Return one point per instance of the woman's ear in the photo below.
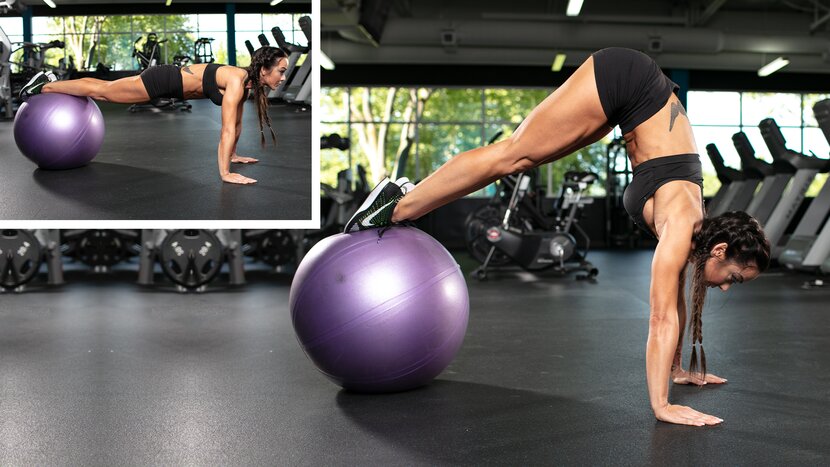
(719, 251)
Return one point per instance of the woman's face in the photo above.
(721, 272)
(272, 77)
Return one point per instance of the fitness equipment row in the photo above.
(296, 89)
(773, 194)
(33, 62)
(189, 259)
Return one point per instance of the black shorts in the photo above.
(631, 86)
(654, 173)
(163, 81)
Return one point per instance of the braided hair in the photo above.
(265, 57)
(746, 245)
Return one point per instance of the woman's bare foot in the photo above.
(238, 179)
(243, 160)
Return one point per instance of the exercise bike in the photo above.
(516, 230)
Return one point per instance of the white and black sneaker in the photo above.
(35, 85)
(405, 184)
(376, 211)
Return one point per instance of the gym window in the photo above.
(441, 121)
(717, 115)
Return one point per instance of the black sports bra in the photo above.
(209, 87)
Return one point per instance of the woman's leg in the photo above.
(567, 120)
(123, 91)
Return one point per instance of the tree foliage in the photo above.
(442, 122)
(109, 40)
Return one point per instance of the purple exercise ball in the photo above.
(59, 131)
(380, 314)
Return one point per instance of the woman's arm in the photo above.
(681, 319)
(239, 110)
(231, 128)
(670, 258)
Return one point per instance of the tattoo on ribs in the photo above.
(676, 109)
(187, 70)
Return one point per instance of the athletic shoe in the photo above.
(405, 184)
(376, 210)
(35, 85)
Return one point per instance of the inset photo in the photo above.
(146, 111)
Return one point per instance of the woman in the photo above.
(618, 87)
(227, 86)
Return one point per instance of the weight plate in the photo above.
(20, 257)
(100, 248)
(191, 258)
(277, 248)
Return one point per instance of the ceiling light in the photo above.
(274, 2)
(773, 66)
(50, 3)
(558, 62)
(325, 61)
(168, 2)
(573, 7)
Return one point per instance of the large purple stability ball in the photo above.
(59, 131)
(380, 314)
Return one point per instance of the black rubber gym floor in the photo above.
(163, 166)
(552, 371)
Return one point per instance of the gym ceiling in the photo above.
(523, 37)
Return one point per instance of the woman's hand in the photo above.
(236, 158)
(237, 178)
(682, 415)
(681, 376)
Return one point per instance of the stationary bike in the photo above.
(516, 229)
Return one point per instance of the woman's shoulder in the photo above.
(233, 72)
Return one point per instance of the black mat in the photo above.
(552, 372)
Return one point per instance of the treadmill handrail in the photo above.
(777, 145)
(285, 45)
(752, 167)
(725, 174)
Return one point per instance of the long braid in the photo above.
(265, 57)
(698, 297)
(746, 244)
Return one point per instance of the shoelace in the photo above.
(405, 223)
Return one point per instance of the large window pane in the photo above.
(809, 101)
(721, 137)
(792, 137)
(753, 134)
(437, 143)
(212, 23)
(334, 104)
(248, 22)
(714, 108)
(453, 105)
(115, 51)
(47, 25)
(784, 108)
(816, 142)
(512, 105)
(12, 27)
